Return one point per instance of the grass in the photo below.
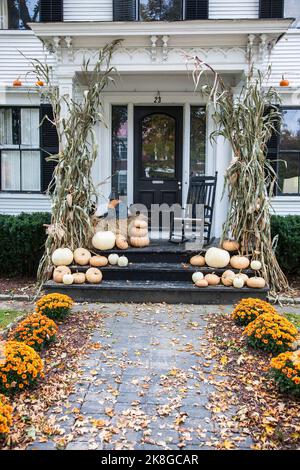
(7, 317)
(293, 318)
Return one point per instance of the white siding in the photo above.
(14, 204)
(224, 9)
(90, 10)
(12, 63)
(286, 205)
(285, 59)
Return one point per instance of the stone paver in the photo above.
(141, 389)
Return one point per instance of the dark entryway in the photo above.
(158, 155)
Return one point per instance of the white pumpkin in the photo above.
(217, 258)
(62, 257)
(256, 265)
(68, 279)
(113, 259)
(197, 277)
(238, 282)
(104, 240)
(123, 262)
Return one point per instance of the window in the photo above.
(198, 141)
(15, 14)
(20, 149)
(284, 151)
(160, 10)
(119, 149)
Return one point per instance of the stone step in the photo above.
(172, 292)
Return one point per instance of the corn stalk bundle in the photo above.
(72, 191)
(247, 121)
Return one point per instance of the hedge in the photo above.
(288, 248)
(22, 240)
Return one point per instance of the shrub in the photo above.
(21, 368)
(36, 331)
(248, 310)
(288, 248)
(5, 417)
(285, 370)
(271, 332)
(55, 306)
(22, 240)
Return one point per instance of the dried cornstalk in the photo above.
(247, 121)
(72, 191)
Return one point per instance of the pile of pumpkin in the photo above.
(137, 236)
(219, 258)
(62, 258)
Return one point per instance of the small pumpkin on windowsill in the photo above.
(17, 82)
(39, 82)
(284, 82)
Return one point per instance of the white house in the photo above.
(152, 109)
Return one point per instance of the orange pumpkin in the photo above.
(284, 82)
(17, 82)
(39, 82)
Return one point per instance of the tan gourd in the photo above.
(140, 223)
(227, 278)
(239, 262)
(94, 276)
(217, 258)
(138, 232)
(197, 261)
(212, 279)
(244, 276)
(98, 261)
(256, 282)
(82, 256)
(230, 245)
(59, 273)
(121, 242)
(201, 283)
(139, 242)
(79, 278)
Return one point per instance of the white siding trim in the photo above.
(231, 9)
(14, 204)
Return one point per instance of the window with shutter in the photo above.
(51, 10)
(124, 10)
(271, 9)
(196, 9)
(49, 145)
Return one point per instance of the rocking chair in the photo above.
(202, 191)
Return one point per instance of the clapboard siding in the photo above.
(12, 63)
(286, 205)
(224, 9)
(15, 204)
(90, 10)
(285, 59)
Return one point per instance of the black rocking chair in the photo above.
(202, 191)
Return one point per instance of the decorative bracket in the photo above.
(154, 40)
(165, 40)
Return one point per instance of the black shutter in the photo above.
(124, 10)
(271, 9)
(196, 9)
(51, 10)
(49, 145)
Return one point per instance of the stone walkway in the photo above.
(143, 385)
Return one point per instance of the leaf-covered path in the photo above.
(148, 382)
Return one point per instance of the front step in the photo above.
(171, 292)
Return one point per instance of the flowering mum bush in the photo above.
(21, 367)
(36, 331)
(249, 309)
(55, 306)
(285, 369)
(271, 332)
(5, 417)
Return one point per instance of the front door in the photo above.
(158, 155)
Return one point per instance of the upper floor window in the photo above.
(16, 14)
(160, 10)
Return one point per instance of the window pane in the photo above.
(119, 149)
(21, 12)
(10, 170)
(31, 171)
(290, 130)
(4, 14)
(160, 10)
(6, 127)
(30, 131)
(198, 140)
(158, 147)
(289, 173)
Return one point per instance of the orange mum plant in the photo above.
(248, 310)
(21, 367)
(5, 417)
(285, 369)
(36, 331)
(271, 332)
(55, 306)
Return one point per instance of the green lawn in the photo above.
(294, 318)
(7, 317)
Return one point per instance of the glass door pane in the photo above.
(119, 149)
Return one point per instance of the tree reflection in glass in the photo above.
(160, 10)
